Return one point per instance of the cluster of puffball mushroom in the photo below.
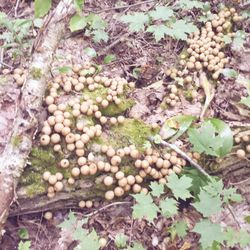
(205, 50)
(68, 131)
(19, 75)
(245, 140)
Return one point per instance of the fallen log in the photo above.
(13, 159)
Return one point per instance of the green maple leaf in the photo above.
(99, 35)
(77, 22)
(42, 7)
(214, 137)
(180, 186)
(246, 101)
(69, 222)
(209, 233)
(239, 38)
(207, 204)
(137, 246)
(244, 238)
(230, 194)
(214, 187)
(190, 4)
(89, 241)
(136, 21)
(180, 29)
(24, 245)
(169, 207)
(145, 208)
(161, 12)
(156, 189)
(230, 237)
(159, 31)
(181, 228)
(96, 22)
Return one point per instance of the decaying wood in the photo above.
(14, 157)
(234, 172)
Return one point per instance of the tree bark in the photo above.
(13, 158)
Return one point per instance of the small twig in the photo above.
(121, 7)
(239, 182)
(16, 7)
(105, 207)
(5, 64)
(184, 155)
(233, 215)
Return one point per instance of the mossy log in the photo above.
(33, 198)
(32, 189)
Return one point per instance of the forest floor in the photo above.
(137, 57)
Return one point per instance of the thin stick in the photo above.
(105, 207)
(120, 7)
(16, 7)
(184, 155)
(233, 215)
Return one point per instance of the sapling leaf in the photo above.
(230, 73)
(69, 222)
(109, 58)
(24, 245)
(145, 208)
(100, 35)
(137, 246)
(136, 21)
(209, 233)
(161, 12)
(90, 52)
(179, 186)
(214, 137)
(42, 7)
(180, 29)
(208, 205)
(156, 189)
(159, 31)
(121, 240)
(169, 207)
(245, 101)
(77, 22)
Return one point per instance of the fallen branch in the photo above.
(184, 156)
(13, 159)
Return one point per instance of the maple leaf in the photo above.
(156, 188)
(190, 4)
(231, 195)
(145, 208)
(159, 31)
(169, 207)
(96, 22)
(77, 22)
(205, 139)
(179, 186)
(207, 204)
(69, 222)
(99, 35)
(180, 29)
(181, 228)
(246, 101)
(137, 246)
(161, 12)
(209, 233)
(136, 21)
(89, 241)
